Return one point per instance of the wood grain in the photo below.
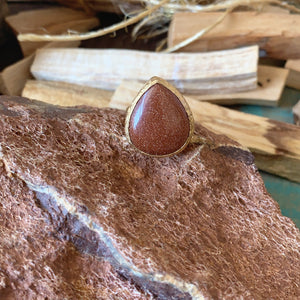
(271, 82)
(202, 73)
(293, 80)
(55, 20)
(275, 145)
(66, 94)
(278, 36)
(14, 77)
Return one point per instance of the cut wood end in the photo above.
(293, 80)
(293, 64)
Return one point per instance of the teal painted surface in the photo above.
(285, 192)
(281, 113)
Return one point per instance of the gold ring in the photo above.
(159, 122)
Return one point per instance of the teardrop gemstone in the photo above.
(159, 124)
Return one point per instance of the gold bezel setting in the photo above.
(146, 87)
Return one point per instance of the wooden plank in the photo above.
(271, 82)
(278, 36)
(66, 94)
(203, 73)
(14, 77)
(293, 80)
(275, 145)
(55, 20)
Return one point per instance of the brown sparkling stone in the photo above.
(159, 124)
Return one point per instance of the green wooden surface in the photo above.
(285, 192)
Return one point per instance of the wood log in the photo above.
(279, 37)
(56, 20)
(275, 145)
(296, 113)
(202, 73)
(14, 77)
(293, 80)
(271, 82)
(66, 94)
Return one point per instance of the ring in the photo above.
(159, 122)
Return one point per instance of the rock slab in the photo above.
(199, 225)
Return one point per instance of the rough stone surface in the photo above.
(38, 262)
(196, 225)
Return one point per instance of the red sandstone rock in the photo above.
(196, 225)
(37, 260)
